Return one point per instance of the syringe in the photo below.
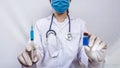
(32, 41)
(32, 34)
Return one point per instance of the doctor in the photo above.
(60, 38)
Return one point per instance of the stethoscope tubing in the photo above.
(53, 32)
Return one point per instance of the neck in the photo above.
(60, 17)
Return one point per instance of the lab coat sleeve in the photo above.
(83, 59)
(96, 65)
(38, 41)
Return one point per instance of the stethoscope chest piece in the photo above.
(69, 37)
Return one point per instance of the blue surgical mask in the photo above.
(60, 6)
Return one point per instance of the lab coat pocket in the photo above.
(53, 46)
(76, 37)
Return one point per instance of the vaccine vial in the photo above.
(85, 39)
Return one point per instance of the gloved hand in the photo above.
(29, 56)
(96, 50)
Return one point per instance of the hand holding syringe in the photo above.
(29, 56)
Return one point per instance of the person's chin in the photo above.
(60, 12)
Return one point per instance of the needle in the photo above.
(32, 40)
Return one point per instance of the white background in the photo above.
(16, 16)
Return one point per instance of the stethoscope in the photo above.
(50, 31)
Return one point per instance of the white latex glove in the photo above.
(96, 50)
(29, 56)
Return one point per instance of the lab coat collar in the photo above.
(49, 17)
(63, 24)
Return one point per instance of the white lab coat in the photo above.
(70, 54)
